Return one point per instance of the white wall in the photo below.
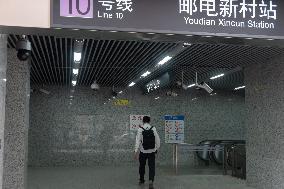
(25, 13)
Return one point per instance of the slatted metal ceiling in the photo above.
(117, 63)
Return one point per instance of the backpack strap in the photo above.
(142, 128)
(151, 128)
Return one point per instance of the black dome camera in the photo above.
(24, 49)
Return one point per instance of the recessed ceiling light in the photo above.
(80, 40)
(228, 37)
(238, 88)
(146, 74)
(170, 34)
(208, 36)
(132, 84)
(75, 71)
(71, 96)
(74, 83)
(75, 29)
(113, 31)
(270, 39)
(186, 44)
(132, 32)
(192, 85)
(165, 60)
(93, 30)
(77, 57)
(217, 76)
(120, 92)
(189, 35)
(151, 33)
(157, 98)
(58, 28)
(249, 38)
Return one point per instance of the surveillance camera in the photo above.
(180, 84)
(24, 49)
(204, 86)
(95, 86)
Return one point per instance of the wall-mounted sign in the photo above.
(216, 17)
(174, 129)
(121, 102)
(136, 121)
(157, 83)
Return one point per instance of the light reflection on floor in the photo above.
(126, 178)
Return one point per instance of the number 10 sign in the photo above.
(174, 129)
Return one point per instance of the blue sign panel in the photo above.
(174, 129)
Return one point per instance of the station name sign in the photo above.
(216, 17)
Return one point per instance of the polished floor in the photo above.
(126, 178)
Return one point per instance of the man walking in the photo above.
(146, 146)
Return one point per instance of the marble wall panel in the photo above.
(264, 124)
(87, 132)
(16, 122)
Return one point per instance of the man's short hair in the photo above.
(146, 119)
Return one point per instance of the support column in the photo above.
(264, 123)
(16, 122)
(3, 67)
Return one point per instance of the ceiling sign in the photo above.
(216, 17)
(121, 102)
(157, 83)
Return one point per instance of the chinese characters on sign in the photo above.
(115, 8)
(174, 129)
(241, 18)
(136, 121)
(154, 85)
(121, 102)
(107, 9)
(260, 13)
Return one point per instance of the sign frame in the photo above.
(167, 31)
(174, 128)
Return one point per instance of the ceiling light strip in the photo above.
(137, 59)
(155, 51)
(238, 88)
(217, 76)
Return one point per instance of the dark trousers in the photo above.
(151, 163)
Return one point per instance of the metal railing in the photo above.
(234, 156)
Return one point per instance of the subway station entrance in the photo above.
(210, 79)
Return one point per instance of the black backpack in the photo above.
(148, 139)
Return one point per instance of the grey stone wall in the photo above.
(264, 122)
(16, 122)
(89, 133)
(3, 69)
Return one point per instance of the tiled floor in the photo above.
(125, 178)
